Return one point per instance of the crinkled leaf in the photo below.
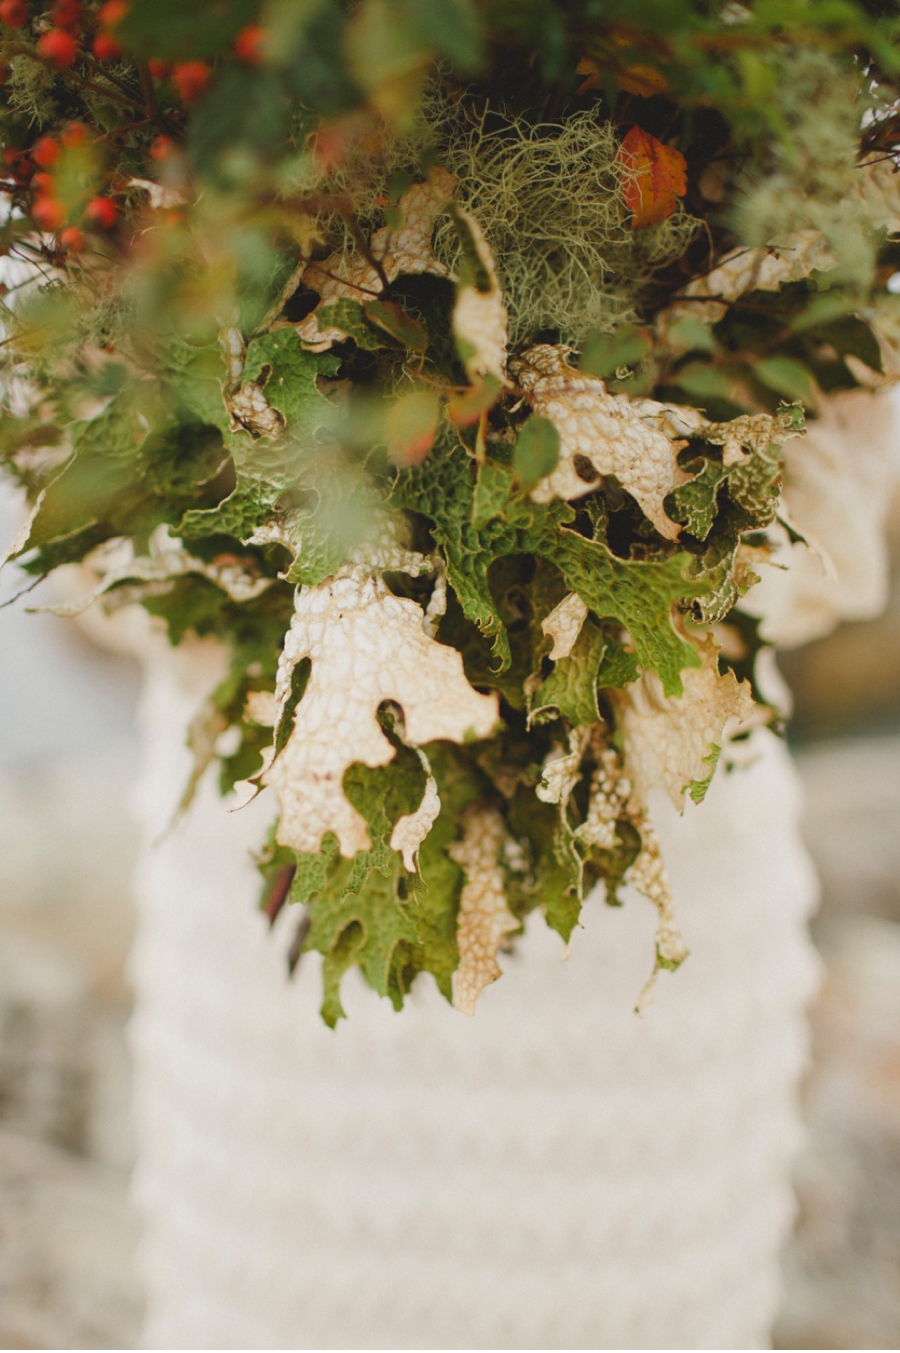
(366, 647)
(571, 688)
(600, 434)
(656, 177)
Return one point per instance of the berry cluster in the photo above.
(75, 31)
(62, 43)
(54, 209)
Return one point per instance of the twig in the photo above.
(279, 892)
(295, 953)
(149, 92)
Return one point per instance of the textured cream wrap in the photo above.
(553, 1173)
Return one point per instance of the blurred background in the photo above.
(68, 762)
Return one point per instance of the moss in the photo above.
(550, 201)
(808, 179)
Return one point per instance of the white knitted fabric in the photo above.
(556, 1172)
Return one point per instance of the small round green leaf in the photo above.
(536, 452)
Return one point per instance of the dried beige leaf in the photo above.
(746, 435)
(22, 536)
(411, 829)
(261, 707)
(563, 625)
(607, 803)
(251, 410)
(600, 434)
(204, 731)
(839, 485)
(166, 562)
(405, 249)
(160, 196)
(766, 268)
(649, 875)
(673, 741)
(479, 317)
(366, 646)
(234, 350)
(739, 437)
(437, 602)
(878, 189)
(561, 770)
(484, 917)
(610, 802)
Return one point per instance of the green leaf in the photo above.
(787, 377)
(755, 486)
(451, 28)
(640, 595)
(554, 880)
(689, 334)
(703, 382)
(288, 376)
(618, 667)
(571, 688)
(239, 515)
(699, 787)
(612, 865)
(124, 478)
(492, 490)
(369, 911)
(388, 316)
(536, 452)
(694, 504)
(348, 315)
(605, 354)
(195, 373)
(443, 489)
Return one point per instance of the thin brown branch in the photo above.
(149, 91)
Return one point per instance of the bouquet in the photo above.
(438, 361)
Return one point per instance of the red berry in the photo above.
(58, 47)
(45, 152)
(66, 13)
(72, 239)
(248, 43)
(191, 79)
(111, 13)
(73, 135)
(162, 148)
(14, 13)
(20, 165)
(159, 69)
(49, 213)
(102, 213)
(106, 48)
(44, 183)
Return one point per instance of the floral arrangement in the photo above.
(438, 360)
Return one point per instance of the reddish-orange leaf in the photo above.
(656, 176)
